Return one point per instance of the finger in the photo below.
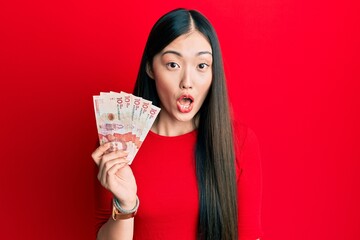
(111, 156)
(115, 168)
(111, 174)
(99, 152)
(107, 177)
(107, 165)
(108, 159)
(104, 169)
(115, 154)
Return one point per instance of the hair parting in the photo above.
(214, 152)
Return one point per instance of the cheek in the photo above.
(166, 80)
(164, 89)
(206, 78)
(206, 83)
(205, 91)
(162, 86)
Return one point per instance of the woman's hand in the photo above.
(116, 175)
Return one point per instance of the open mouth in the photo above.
(185, 103)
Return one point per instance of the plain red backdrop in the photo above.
(293, 75)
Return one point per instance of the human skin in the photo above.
(183, 75)
(181, 69)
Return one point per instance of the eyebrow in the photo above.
(179, 54)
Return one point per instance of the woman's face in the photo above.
(183, 74)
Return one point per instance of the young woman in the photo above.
(197, 175)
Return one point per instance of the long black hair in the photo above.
(214, 154)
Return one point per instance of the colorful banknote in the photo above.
(124, 120)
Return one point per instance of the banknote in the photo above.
(124, 120)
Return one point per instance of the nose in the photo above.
(186, 82)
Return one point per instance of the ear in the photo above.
(149, 71)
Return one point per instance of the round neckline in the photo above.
(193, 132)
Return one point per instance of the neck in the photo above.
(173, 128)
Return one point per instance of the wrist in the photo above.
(126, 205)
(119, 212)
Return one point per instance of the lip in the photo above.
(185, 108)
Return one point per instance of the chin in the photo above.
(184, 117)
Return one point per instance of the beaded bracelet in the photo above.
(118, 207)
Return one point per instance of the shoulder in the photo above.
(246, 145)
(244, 136)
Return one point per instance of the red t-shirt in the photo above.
(165, 174)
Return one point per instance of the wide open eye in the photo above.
(203, 66)
(172, 65)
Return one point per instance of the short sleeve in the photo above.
(249, 184)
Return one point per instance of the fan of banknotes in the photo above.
(124, 120)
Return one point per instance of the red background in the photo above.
(293, 74)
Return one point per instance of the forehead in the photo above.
(193, 41)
